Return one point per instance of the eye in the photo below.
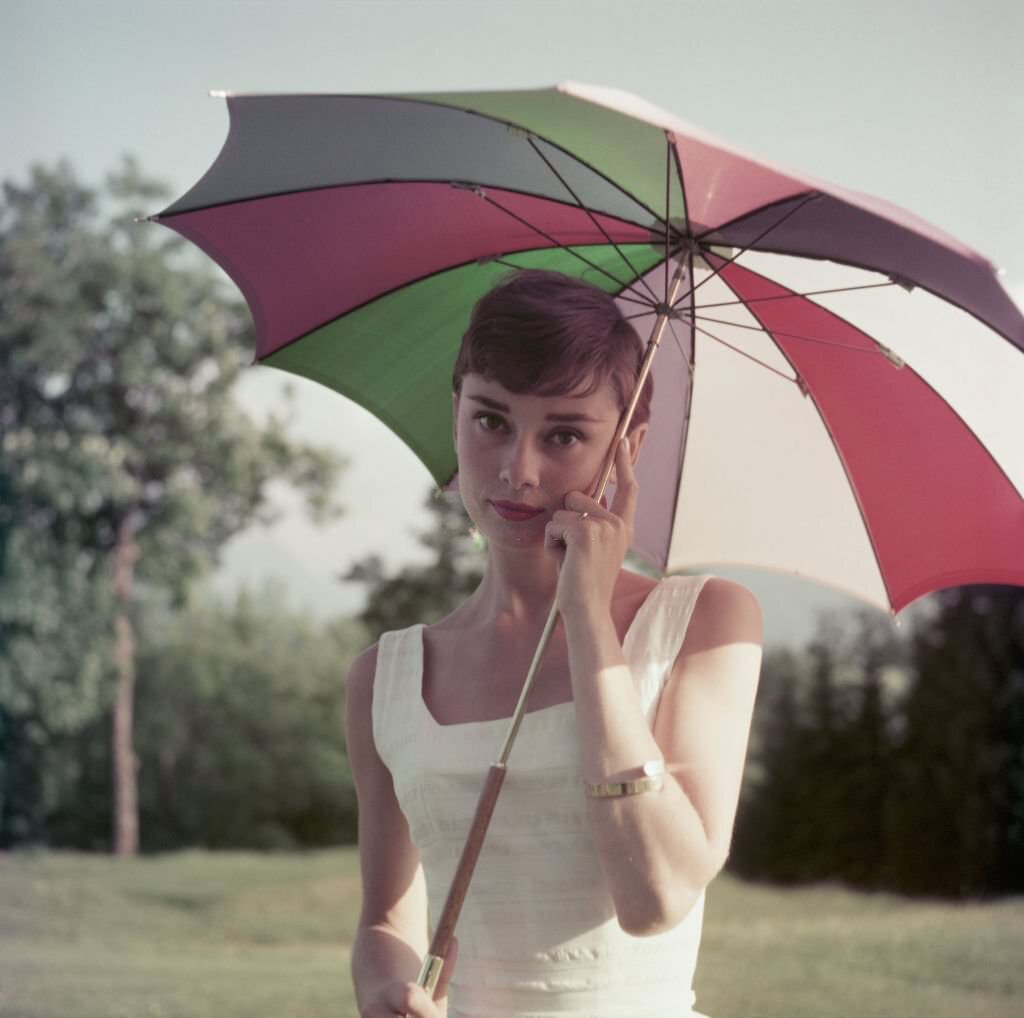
(565, 437)
(489, 421)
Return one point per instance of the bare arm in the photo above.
(391, 937)
(658, 849)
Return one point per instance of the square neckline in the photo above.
(551, 708)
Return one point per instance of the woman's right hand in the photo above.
(410, 1000)
(405, 1000)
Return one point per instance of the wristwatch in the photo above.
(652, 781)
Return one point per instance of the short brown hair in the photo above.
(550, 334)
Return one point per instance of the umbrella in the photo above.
(837, 386)
(839, 395)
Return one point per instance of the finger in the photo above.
(554, 533)
(410, 1000)
(582, 513)
(565, 528)
(561, 523)
(626, 487)
(577, 502)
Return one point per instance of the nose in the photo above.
(521, 468)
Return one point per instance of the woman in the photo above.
(622, 787)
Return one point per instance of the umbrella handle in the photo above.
(441, 942)
(433, 962)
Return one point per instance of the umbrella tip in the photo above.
(219, 93)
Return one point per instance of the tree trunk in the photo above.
(126, 803)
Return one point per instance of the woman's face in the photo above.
(519, 454)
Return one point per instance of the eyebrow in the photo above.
(493, 404)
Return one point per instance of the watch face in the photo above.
(653, 768)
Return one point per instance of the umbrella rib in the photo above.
(679, 345)
(878, 349)
(590, 215)
(163, 218)
(536, 229)
(646, 313)
(500, 260)
(743, 353)
(691, 366)
(668, 205)
(674, 153)
(743, 250)
(672, 329)
(789, 296)
(648, 307)
(514, 125)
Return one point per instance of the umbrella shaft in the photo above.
(442, 940)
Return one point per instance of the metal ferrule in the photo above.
(430, 973)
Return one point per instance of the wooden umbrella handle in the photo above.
(441, 942)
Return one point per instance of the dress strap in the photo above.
(396, 685)
(656, 636)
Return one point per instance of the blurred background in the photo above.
(192, 550)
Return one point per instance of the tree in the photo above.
(892, 762)
(816, 798)
(422, 593)
(124, 456)
(770, 840)
(240, 721)
(54, 676)
(960, 782)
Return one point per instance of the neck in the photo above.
(518, 587)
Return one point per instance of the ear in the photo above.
(455, 419)
(636, 438)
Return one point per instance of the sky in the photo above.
(920, 102)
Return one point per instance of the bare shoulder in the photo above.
(717, 666)
(726, 613)
(359, 682)
(367, 768)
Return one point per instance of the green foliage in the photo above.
(960, 782)
(423, 593)
(894, 763)
(240, 728)
(117, 361)
(116, 368)
(814, 795)
(238, 733)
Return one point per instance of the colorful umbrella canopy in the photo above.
(838, 394)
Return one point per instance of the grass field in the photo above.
(200, 935)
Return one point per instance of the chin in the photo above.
(498, 531)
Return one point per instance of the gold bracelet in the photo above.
(652, 781)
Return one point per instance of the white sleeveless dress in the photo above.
(538, 937)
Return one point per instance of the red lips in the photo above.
(516, 512)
